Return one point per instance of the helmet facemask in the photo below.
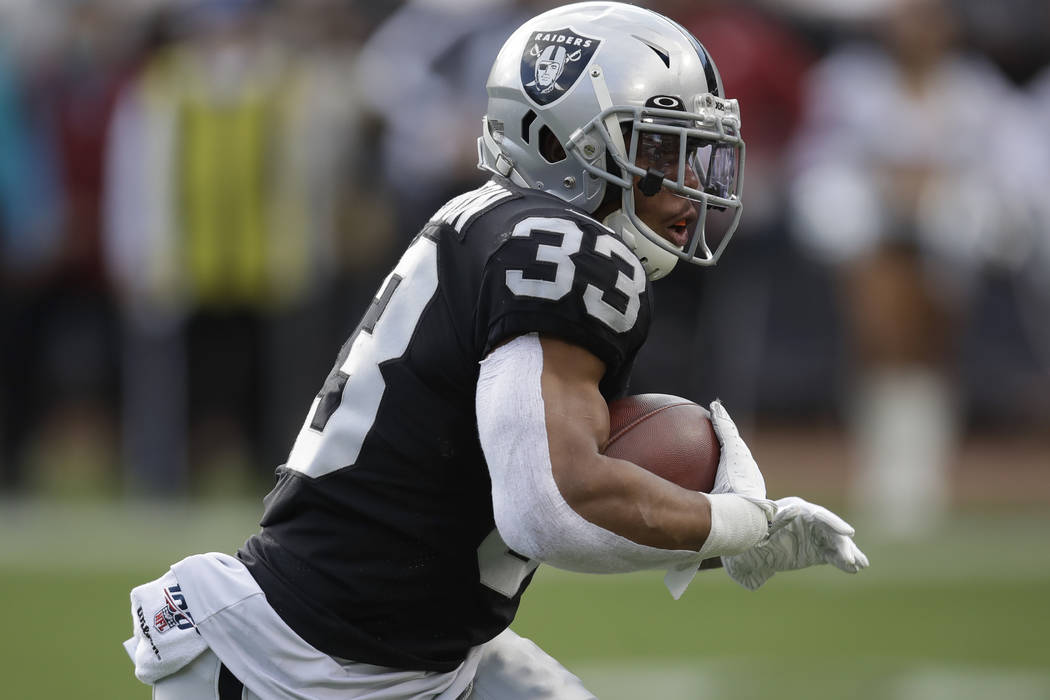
(697, 155)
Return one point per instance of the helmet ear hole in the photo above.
(550, 147)
(526, 124)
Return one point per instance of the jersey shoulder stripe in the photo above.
(460, 211)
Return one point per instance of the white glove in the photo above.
(803, 534)
(740, 512)
(737, 470)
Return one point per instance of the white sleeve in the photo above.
(531, 515)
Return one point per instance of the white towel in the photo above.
(166, 637)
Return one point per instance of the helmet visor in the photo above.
(691, 162)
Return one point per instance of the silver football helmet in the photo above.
(624, 95)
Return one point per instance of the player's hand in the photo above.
(741, 515)
(738, 472)
(803, 534)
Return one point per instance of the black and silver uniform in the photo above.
(377, 537)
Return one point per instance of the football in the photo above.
(669, 436)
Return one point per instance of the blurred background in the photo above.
(198, 199)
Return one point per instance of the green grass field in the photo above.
(959, 615)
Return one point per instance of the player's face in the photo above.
(670, 215)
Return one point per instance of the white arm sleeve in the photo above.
(531, 515)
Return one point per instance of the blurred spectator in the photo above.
(219, 223)
(332, 160)
(423, 74)
(62, 388)
(906, 184)
(1033, 278)
(29, 237)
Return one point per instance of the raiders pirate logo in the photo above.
(553, 61)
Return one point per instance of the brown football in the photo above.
(670, 436)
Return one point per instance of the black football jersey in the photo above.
(378, 542)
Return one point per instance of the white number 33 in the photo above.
(593, 298)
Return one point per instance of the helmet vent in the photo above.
(664, 55)
(550, 147)
(526, 122)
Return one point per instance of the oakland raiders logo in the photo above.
(553, 61)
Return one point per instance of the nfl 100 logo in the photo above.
(553, 61)
(175, 613)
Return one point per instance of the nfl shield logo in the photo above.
(553, 61)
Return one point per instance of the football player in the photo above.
(455, 444)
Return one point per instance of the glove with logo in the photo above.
(803, 534)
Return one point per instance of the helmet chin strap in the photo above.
(656, 261)
(492, 158)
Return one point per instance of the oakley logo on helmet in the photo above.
(553, 61)
(665, 102)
